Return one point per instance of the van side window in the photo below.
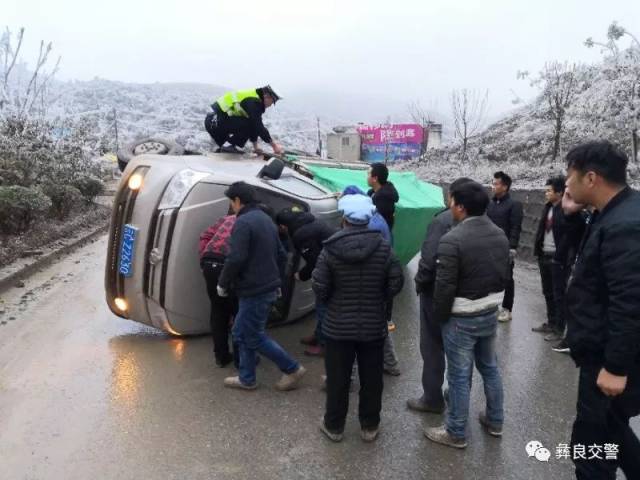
(299, 187)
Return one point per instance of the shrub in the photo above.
(20, 207)
(63, 199)
(90, 187)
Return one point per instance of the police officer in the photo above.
(237, 117)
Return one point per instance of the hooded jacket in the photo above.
(356, 274)
(385, 201)
(307, 234)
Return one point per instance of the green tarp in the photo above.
(419, 202)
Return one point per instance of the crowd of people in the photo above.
(588, 249)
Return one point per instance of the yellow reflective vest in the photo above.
(229, 103)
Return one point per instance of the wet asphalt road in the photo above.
(84, 394)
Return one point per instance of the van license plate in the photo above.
(127, 250)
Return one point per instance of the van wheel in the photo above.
(156, 146)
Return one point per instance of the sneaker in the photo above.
(369, 435)
(290, 381)
(309, 340)
(393, 371)
(562, 347)
(234, 382)
(441, 436)
(314, 351)
(493, 430)
(333, 436)
(553, 337)
(418, 405)
(504, 315)
(544, 328)
(391, 326)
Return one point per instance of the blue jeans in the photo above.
(321, 313)
(466, 339)
(250, 336)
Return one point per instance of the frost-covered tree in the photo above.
(469, 109)
(622, 70)
(559, 83)
(18, 99)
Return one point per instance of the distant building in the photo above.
(434, 136)
(344, 144)
(382, 143)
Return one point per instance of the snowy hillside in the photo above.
(174, 111)
(606, 106)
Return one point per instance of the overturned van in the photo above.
(162, 204)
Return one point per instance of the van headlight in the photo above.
(179, 187)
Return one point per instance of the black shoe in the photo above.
(544, 328)
(562, 347)
(224, 360)
(418, 405)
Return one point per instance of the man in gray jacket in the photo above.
(431, 348)
(472, 269)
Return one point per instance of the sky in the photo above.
(349, 58)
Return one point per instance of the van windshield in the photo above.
(299, 187)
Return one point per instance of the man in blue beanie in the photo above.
(356, 274)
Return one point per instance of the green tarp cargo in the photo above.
(419, 202)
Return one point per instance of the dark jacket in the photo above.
(473, 260)
(567, 233)
(307, 234)
(257, 259)
(356, 274)
(426, 275)
(507, 214)
(385, 201)
(255, 109)
(603, 297)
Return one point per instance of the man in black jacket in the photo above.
(507, 214)
(544, 247)
(382, 192)
(472, 268)
(254, 269)
(555, 244)
(237, 117)
(603, 300)
(307, 235)
(431, 348)
(356, 274)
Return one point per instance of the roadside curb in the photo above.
(25, 272)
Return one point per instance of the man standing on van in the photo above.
(237, 117)
(254, 269)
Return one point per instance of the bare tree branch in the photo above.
(469, 108)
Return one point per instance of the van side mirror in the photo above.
(272, 170)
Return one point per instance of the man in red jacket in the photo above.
(213, 249)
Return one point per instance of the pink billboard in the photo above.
(384, 134)
(391, 143)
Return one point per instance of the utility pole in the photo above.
(115, 126)
(319, 152)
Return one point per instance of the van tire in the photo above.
(153, 145)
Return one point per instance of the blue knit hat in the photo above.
(352, 190)
(356, 209)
